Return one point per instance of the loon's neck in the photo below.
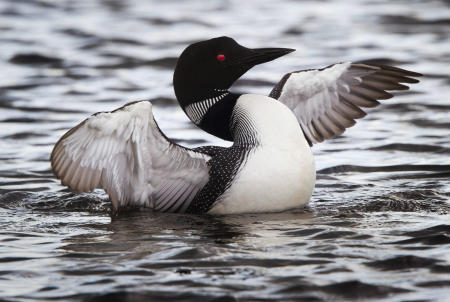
(209, 108)
(218, 116)
(198, 105)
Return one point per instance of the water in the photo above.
(377, 226)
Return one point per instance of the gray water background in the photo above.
(378, 223)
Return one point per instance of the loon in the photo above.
(268, 168)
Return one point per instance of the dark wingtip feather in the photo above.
(404, 72)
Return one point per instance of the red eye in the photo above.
(221, 58)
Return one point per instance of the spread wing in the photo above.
(327, 101)
(125, 153)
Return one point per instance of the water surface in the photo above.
(378, 223)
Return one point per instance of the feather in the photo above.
(327, 101)
(125, 153)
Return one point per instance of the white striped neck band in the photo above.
(196, 111)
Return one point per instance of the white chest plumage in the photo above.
(279, 173)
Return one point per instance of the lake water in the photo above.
(377, 227)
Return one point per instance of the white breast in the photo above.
(279, 174)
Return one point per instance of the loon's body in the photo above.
(277, 171)
(268, 168)
(261, 166)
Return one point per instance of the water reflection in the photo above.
(378, 224)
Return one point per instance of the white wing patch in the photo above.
(125, 153)
(327, 101)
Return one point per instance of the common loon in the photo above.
(269, 167)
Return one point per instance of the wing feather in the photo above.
(327, 101)
(125, 153)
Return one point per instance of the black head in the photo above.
(216, 64)
(206, 69)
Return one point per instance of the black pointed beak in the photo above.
(257, 56)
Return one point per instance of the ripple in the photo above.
(429, 240)
(333, 235)
(131, 62)
(434, 230)
(35, 59)
(14, 259)
(395, 168)
(358, 290)
(437, 283)
(413, 148)
(402, 262)
(54, 202)
(157, 296)
(305, 232)
(377, 225)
